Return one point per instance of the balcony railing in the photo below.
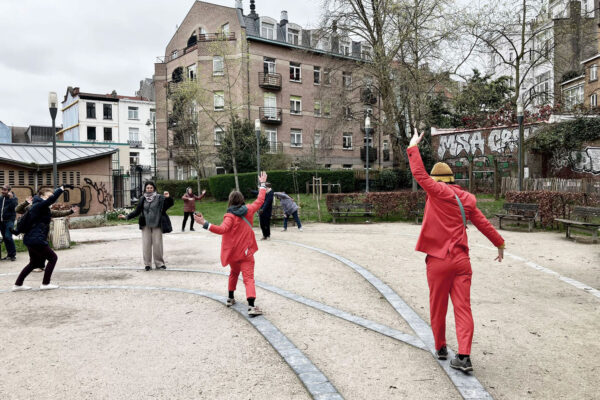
(136, 144)
(372, 154)
(270, 115)
(269, 81)
(368, 96)
(275, 147)
(212, 37)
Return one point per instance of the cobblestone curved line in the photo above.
(467, 385)
(317, 384)
(365, 323)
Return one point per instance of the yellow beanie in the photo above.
(441, 172)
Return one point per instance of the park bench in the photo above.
(585, 219)
(345, 210)
(418, 212)
(277, 214)
(519, 212)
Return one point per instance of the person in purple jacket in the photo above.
(290, 208)
(189, 206)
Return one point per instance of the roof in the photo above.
(574, 80)
(41, 155)
(74, 91)
(138, 98)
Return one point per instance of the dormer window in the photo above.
(268, 30)
(345, 48)
(293, 36)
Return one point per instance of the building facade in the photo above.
(305, 86)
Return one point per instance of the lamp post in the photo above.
(520, 121)
(367, 129)
(257, 129)
(52, 106)
(154, 138)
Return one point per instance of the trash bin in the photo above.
(59, 234)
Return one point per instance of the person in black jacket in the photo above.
(265, 213)
(154, 221)
(36, 239)
(8, 203)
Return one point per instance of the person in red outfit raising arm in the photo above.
(444, 239)
(238, 244)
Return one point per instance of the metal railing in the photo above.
(275, 147)
(270, 115)
(134, 143)
(269, 81)
(211, 37)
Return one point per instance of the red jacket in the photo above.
(189, 202)
(238, 238)
(443, 227)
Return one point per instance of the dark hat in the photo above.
(150, 183)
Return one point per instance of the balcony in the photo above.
(270, 115)
(134, 144)
(368, 96)
(269, 81)
(275, 147)
(213, 37)
(372, 154)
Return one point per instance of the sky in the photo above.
(99, 46)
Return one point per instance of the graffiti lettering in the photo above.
(468, 143)
(587, 160)
(103, 195)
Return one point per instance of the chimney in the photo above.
(253, 13)
(284, 18)
(239, 5)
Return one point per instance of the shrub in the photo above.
(385, 204)
(554, 205)
(388, 179)
(177, 188)
(281, 181)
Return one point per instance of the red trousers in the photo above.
(246, 266)
(451, 276)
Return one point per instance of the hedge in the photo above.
(281, 181)
(385, 204)
(554, 205)
(177, 188)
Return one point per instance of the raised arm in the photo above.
(21, 208)
(52, 199)
(259, 200)
(433, 188)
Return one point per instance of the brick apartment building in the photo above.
(305, 85)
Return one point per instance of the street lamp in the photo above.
(367, 129)
(154, 138)
(520, 121)
(53, 106)
(257, 129)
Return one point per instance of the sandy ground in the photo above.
(535, 335)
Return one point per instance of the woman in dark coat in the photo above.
(189, 206)
(154, 221)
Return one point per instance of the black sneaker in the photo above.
(442, 354)
(148, 268)
(192, 230)
(464, 365)
(162, 267)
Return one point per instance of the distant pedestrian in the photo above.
(8, 204)
(189, 206)
(265, 212)
(238, 243)
(290, 208)
(37, 221)
(154, 221)
(444, 239)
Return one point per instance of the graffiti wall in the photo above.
(586, 161)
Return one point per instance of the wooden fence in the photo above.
(589, 186)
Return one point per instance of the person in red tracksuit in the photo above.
(444, 239)
(239, 243)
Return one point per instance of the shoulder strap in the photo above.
(248, 222)
(462, 210)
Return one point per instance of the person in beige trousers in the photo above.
(154, 221)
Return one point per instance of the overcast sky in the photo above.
(99, 46)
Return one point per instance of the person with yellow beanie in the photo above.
(444, 239)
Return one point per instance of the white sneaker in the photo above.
(49, 286)
(38, 270)
(21, 288)
(300, 229)
(283, 230)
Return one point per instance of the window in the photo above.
(218, 65)
(133, 113)
(346, 166)
(193, 172)
(225, 29)
(90, 110)
(317, 75)
(347, 141)
(108, 134)
(542, 88)
(107, 111)
(270, 106)
(219, 99)
(180, 173)
(345, 48)
(295, 105)
(347, 80)
(593, 72)
(152, 158)
(347, 112)
(134, 134)
(220, 170)
(317, 108)
(370, 140)
(272, 139)
(269, 65)
(293, 36)
(295, 72)
(191, 72)
(327, 76)
(317, 138)
(327, 109)
(594, 100)
(219, 135)
(573, 96)
(296, 138)
(134, 158)
(91, 133)
(267, 30)
(174, 54)
(366, 52)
